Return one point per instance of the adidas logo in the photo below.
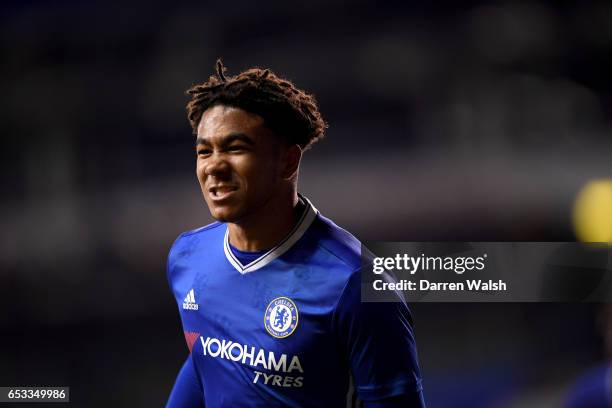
(189, 302)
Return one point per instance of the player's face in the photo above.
(237, 163)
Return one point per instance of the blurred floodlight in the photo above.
(593, 212)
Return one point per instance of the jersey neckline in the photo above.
(306, 219)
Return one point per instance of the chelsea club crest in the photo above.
(281, 318)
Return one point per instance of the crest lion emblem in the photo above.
(281, 317)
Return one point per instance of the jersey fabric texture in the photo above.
(288, 327)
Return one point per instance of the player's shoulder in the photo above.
(195, 237)
(338, 242)
(189, 245)
(202, 230)
(206, 230)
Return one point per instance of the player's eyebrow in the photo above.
(228, 139)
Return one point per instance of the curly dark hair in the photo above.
(288, 111)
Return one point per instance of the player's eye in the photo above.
(204, 152)
(236, 148)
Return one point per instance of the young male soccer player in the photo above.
(269, 295)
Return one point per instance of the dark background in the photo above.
(459, 121)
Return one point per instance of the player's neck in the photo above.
(267, 227)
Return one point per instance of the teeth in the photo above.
(221, 190)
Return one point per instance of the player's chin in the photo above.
(224, 213)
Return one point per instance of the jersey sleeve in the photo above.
(378, 340)
(170, 261)
(187, 390)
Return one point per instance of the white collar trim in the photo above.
(283, 246)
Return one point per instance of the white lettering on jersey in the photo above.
(278, 380)
(230, 350)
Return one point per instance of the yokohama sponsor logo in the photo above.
(250, 355)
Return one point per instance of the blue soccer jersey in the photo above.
(288, 327)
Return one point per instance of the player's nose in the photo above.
(216, 164)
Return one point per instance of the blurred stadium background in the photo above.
(448, 121)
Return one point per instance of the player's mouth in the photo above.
(221, 192)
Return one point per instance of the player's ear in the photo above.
(291, 162)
